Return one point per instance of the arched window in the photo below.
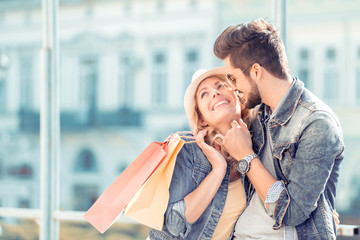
(86, 162)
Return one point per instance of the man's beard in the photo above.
(254, 97)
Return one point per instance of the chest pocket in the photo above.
(286, 155)
(202, 168)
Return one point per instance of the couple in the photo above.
(271, 175)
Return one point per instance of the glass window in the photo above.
(86, 162)
(3, 95)
(4, 68)
(192, 62)
(357, 77)
(126, 80)
(331, 54)
(26, 65)
(84, 196)
(304, 76)
(160, 5)
(331, 77)
(357, 88)
(193, 4)
(304, 67)
(159, 78)
(88, 89)
(304, 54)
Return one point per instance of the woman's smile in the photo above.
(220, 104)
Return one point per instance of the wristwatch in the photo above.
(244, 164)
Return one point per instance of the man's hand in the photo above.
(238, 140)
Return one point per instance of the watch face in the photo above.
(243, 166)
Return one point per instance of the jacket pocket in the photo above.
(285, 156)
(202, 168)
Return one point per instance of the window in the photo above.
(159, 77)
(2, 95)
(4, 65)
(160, 5)
(123, 165)
(88, 86)
(193, 4)
(331, 54)
(126, 80)
(191, 65)
(23, 203)
(84, 196)
(357, 86)
(23, 171)
(304, 67)
(127, 7)
(331, 76)
(26, 65)
(86, 162)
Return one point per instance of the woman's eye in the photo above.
(220, 86)
(203, 94)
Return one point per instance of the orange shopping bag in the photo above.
(112, 202)
(150, 202)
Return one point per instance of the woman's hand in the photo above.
(214, 155)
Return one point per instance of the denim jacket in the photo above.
(191, 168)
(308, 149)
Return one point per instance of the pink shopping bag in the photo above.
(150, 202)
(112, 202)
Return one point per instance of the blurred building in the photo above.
(124, 68)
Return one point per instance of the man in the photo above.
(297, 146)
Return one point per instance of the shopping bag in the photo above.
(150, 202)
(112, 202)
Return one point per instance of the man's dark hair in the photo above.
(253, 42)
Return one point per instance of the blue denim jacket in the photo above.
(308, 150)
(191, 168)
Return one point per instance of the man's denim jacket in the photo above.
(307, 151)
(191, 168)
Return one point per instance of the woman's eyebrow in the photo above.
(217, 83)
(199, 91)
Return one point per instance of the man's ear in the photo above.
(256, 71)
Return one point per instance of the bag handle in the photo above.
(166, 142)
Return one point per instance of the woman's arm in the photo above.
(197, 201)
(192, 189)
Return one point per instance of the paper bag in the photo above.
(150, 202)
(112, 202)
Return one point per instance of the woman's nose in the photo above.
(215, 92)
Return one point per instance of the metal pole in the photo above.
(280, 18)
(49, 122)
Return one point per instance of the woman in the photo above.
(206, 193)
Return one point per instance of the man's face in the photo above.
(244, 84)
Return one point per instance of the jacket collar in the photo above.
(287, 108)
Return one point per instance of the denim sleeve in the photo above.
(315, 165)
(176, 222)
(181, 185)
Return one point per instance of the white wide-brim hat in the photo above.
(189, 98)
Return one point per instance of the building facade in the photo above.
(124, 68)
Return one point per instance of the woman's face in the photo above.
(217, 104)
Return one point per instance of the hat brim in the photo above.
(189, 98)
